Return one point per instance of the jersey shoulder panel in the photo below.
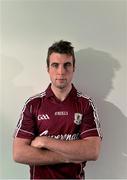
(35, 101)
(26, 127)
(81, 95)
(85, 99)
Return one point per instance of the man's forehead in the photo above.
(60, 58)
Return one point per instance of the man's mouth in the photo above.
(61, 79)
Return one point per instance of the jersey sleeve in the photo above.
(26, 124)
(90, 125)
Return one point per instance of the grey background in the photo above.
(98, 31)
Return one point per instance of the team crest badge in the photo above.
(78, 118)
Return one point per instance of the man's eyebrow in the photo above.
(68, 62)
(60, 63)
(55, 63)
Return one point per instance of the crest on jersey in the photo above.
(78, 118)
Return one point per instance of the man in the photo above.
(58, 130)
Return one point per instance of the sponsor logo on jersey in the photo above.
(44, 133)
(42, 117)
(67, 137)
(61, 113)
(77, 118)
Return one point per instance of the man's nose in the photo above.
(61, 70)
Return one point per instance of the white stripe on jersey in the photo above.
(79, 94)
(26, 131)
(22, 112)
(96, 118)
(88, 130)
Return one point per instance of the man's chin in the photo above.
(61, 86)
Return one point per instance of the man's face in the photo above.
(60, 69)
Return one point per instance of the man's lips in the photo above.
(60, 79)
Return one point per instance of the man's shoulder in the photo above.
(35, 99)
(82, 96)
(79, 94)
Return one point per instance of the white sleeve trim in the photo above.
(88, 130)
(26, 131)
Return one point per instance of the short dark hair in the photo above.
(62, 47)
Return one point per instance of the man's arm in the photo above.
(24, 153)
(77, 150)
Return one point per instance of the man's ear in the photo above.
(74, 69)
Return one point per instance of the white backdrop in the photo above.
(98, 31)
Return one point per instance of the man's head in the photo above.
(61, 64)
(61, 47)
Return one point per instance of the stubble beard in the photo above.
(61, 85)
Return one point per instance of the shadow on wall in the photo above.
(11, 99)
(95, 71)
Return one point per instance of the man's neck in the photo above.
(61, 94)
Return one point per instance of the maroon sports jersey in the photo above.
(72, 119)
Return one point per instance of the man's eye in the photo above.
(66, 65)
(55, 65)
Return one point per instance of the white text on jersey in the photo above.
(61, 113)
(42, 117)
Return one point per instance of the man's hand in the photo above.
(39, 142)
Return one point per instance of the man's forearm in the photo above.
(27, 154)
(77, 150)
(74, 150)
